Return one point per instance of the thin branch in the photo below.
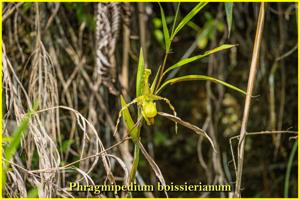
(85, 158)
(287, 53)
(11, 11)
(257, 133)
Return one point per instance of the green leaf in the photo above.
(175, 18)
(194, 58)
(153, 85)
(188, 17)
(14, 144)
(140, 75)
(6, 139)
(202, 42)
(194, 26)
(160, 138)
(156, 22)
(33, 193)
(289, 169)
(27, 6)
(11, 149)
(135, 163)
(165, 28)
(66, 144)
(16, 138)
(159, 36)
(199, 78)
(228, 10)
(130, 125)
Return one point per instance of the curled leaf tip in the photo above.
(190, 126)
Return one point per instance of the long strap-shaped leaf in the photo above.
(130, 125)
(188, 17)
(228, 10)
(135, 164)
(153, 166)
(194, 58)
(11, 149)
(165, 28)
(134, 132)
(199, 78)
(16, 137)
(188, 125)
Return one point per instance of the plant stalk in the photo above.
(289, 169)
(135, 164)
(251, 80)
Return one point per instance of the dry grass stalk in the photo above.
(251, 81)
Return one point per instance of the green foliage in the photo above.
(207, 33)
(160, 138)
(15, 140)
(228, 10)
(165, 29)
(26, 6)
(175, 18)
(194, 58)
(12, 147)
(188, 17)
(140, 74)
(199, 78)
(209, 30)
(145, 98)
(158, 30)
(289, 169)
(33, 193)
(66, 145)
(82, 14)
(159, 36)
(130, 125)
(156, 22)
(194, 26)
(135, 164)
(168, 38)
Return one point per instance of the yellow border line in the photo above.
(144, 1)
